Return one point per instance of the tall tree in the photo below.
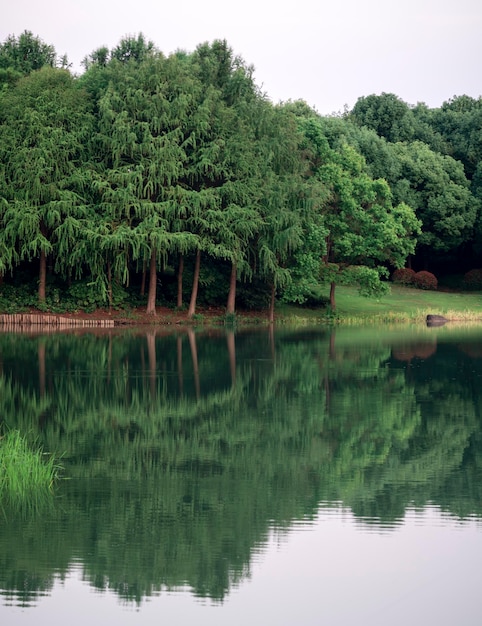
(26, 53)
(365, 230)
(286, 202)
(45, 127)
(459, 122)
(232, 223)
(386, 114)
(432, 183)
(438, 190)
(143, 123)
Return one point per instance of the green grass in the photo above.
(24, 472)
(403, 304)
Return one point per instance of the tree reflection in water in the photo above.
(179, 464)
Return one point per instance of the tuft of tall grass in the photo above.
(409, 317)
(23, 471)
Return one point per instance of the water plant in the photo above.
(24, 471)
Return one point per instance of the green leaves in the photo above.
(146, 157)
(45, 121)
(435, 185)
(26, 53)
(363, 228)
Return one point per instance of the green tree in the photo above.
(290, 204)
(394, 120)
(438, 190)
(459, 122)
(26, 53)
(144, 126)
(423, 175)
(45, 128)
(131, 49)
(365, 230)
(386, 114)
(230, 160)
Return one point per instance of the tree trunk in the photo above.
(109, 284)
(42, 279)
(151, 352)
(195, 285)
(332, 296)
(271, 304)
(41, 368)
(195, 362)
(231, 305)
(151, 296)
(180, 376)
(231, 342)
(180, 271)
(332, 348)
(143, 281)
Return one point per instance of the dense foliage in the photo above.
(168, 179)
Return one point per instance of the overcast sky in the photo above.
(326, 53)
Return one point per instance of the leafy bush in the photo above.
(316, 300)
(403, 276)
(304, 292)
(89, 295)
(368, 279)
(425, 280)
(253, 295)
(473, 279)
(17, 298)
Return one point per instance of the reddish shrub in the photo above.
(425, 280)
(473, 279)
(403, 276)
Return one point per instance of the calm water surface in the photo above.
(296, 477)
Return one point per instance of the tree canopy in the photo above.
(157, 166)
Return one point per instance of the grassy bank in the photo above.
(403, 304)
(23, 471)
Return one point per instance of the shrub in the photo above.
(89, 295)
(473, 279)
(253, 296)
(305, 293)
(403, 276)
(425, 280)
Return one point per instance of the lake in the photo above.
(278, 477)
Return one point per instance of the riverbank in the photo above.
(109, 318)
(402, 305)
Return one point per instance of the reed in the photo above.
(24, 471)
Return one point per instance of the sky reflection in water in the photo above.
(335, 570)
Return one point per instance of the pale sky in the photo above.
(326, 53)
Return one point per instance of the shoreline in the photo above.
(105, 318)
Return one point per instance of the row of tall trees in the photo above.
(149, 164)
